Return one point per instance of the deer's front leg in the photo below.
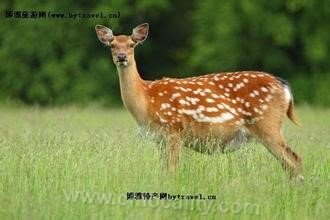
(173, 148)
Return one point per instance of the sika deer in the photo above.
(220, 106)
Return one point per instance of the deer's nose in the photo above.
(121, 57)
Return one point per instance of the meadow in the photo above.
(82, 163)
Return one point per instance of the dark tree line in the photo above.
(60, 61)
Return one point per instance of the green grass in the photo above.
(49, 156)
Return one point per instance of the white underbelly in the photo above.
(147, 133)
(204, 145)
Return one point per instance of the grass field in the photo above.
(73, 163)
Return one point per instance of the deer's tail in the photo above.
(289, 97)
(291, 113)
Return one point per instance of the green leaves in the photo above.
(59, 61)
(287, 38)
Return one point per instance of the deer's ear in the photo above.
(140, 33)
(104, 34)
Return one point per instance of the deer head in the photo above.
(122, 46)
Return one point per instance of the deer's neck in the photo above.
(133, 92)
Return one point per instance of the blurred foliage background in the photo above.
(60, 61)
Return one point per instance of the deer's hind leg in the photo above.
(269, 133)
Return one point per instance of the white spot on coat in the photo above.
(212, 109)
(264, 89)
(175, 95)
(220, 119)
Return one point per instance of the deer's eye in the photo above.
(112, 45)
(131, 45)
